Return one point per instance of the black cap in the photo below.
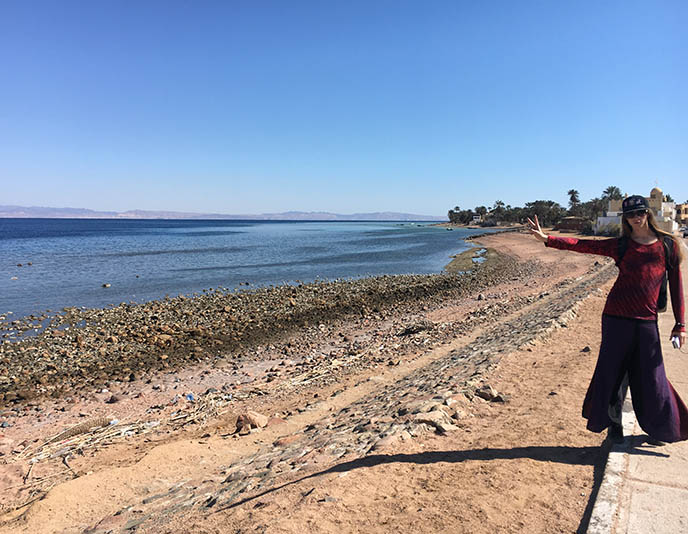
(634, 203)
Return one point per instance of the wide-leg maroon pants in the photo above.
(633, 346)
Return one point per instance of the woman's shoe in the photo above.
(615, 433)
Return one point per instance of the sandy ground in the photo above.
(526, 465)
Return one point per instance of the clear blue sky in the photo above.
(256, 106)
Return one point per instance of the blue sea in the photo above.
(71, 259)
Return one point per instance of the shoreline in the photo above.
(89, 347)
(35, 317)
(92, 346)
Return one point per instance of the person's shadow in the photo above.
(595, 456)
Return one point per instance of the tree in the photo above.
(481, 210)
(497, 213)
(574, 202)
(669, 199)
(612, 193)
(459, 216)
(454, 215)
(549, 212)
(593, 208)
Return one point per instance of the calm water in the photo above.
(148, 259)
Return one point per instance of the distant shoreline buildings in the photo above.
(664, 212)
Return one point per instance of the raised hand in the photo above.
(534, 227)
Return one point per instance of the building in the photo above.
(682, 214)
(664, 212)
(572, 224)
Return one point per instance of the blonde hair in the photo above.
(627, 231)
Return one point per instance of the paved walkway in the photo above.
(645, 487)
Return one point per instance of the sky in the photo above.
(358, 106)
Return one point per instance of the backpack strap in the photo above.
(669, 258)
(623, 246)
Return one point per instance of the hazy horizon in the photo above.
(14, 211)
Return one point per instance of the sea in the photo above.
(49, 264)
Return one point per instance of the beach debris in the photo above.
(98, 431)
(202, 408)
(586, 349)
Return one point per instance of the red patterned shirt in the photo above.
(636, 290)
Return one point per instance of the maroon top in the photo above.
(636, 290)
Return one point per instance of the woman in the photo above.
(631, 348)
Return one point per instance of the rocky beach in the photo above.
(226, 409)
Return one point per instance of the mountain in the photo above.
(84, 213)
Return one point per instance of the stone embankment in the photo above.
(431, 398)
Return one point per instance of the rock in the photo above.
(437, 419)
(286, 440)
(458, 414)
(486, 392)
(162, 339)
(481, 296)
(415, 328)
(386, 442)
(251, 420)
(419, 406)
(112, 399)
(275, 421)
(586, 349)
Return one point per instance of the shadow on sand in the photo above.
(595, 456)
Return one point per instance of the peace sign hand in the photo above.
(535, 229)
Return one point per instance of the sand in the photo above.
(525, 465)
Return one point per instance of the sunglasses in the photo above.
(634, 214)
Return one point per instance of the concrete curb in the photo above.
(605, 512)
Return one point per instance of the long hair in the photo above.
(627, 231)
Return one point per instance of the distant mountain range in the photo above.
(83, 213)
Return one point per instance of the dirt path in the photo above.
(348, 462)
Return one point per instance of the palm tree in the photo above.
(612, 193)
(574, 198)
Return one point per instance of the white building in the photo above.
(664, 212)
